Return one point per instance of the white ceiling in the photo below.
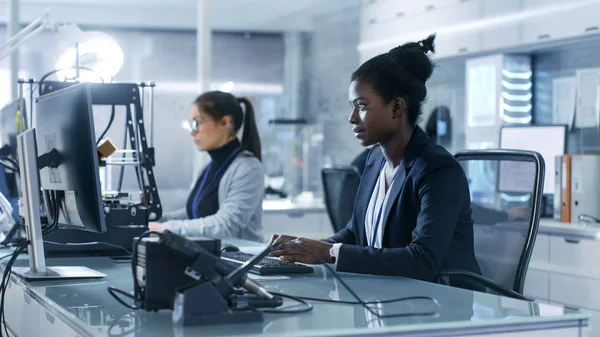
(234, 15)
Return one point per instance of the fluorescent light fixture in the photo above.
(516, 86)
(97, 51)
(517, 120)
(517, 98)
(515, 198)
(514, 75)
(517, 108)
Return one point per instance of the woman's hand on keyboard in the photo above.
(291, 252)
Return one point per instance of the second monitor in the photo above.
(68, 170)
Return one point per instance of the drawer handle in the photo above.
(430, 8)
(572, 241)
(543, 36)
(592, 28)
(372, 21)
(400, 14)
(295, 214)
(463, 50)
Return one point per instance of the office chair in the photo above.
(506, 190)
(340, 186)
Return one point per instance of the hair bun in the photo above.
(427, 44)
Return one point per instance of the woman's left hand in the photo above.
(155, 227)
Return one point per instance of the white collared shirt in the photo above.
(377, 205)
(379, 197)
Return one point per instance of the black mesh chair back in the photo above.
(340, 186)
(506, 188)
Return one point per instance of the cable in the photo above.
(6, 278)
(394, 300)
(110, 121)
(52, 209)
(91, 243)
(307, 306)
(366, 305)
(113, 290)
(5, 256)
(136, 288)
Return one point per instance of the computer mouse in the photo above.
(230, 248)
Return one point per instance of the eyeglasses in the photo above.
(194, 124)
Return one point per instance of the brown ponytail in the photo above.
(250, 139)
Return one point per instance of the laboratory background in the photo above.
(509, 74)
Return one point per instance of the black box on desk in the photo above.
(159, 272)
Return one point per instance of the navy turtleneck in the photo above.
(204, 199)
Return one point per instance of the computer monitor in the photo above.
(67, 167)
(548, 140)
(12, 122)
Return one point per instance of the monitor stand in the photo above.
(29, 172)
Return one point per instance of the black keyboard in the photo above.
(268, 265)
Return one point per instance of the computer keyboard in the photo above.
(268, 265)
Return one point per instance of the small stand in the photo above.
(213, 299)
(203, 304)
(28, 165)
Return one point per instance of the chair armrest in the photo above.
(486, 283)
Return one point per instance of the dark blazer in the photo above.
(428, 225)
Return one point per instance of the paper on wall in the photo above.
(587, 112)
(563, 100)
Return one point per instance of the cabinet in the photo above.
(313, 224)
(456, 44)
(474, 26)
(566, 271)
(562, 20)
(502, 34)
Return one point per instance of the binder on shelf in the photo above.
(557, 213)
(565, 212)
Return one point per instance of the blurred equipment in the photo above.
(340, 186)
(12, 122)
(439, 126)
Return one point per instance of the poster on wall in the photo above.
(564, 92)
(587, 112)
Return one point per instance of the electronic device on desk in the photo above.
(126, 215)
(69, 176)
(549, 141)
(120, 210)
(171, 272)
(12, 122)
(267, 265)
(160, 271)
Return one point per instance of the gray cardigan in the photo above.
(241, 191)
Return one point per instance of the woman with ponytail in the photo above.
(226, 201)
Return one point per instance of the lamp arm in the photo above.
(37, 26)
